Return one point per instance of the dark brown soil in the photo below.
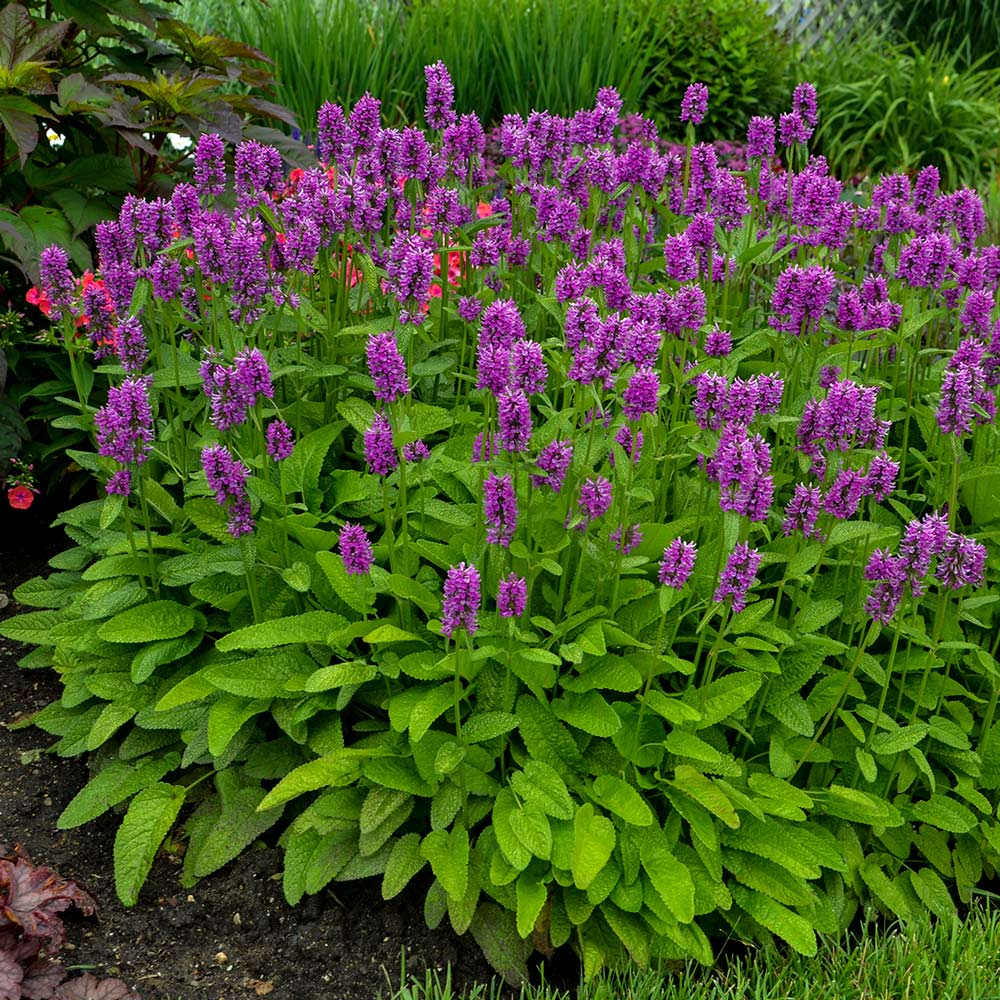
(233, 935)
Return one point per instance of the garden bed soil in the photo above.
(232, 935)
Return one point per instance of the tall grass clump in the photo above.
(604, 533)
(898, 106)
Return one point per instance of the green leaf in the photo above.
(113, 784)
(336, 769)
(900, 739)
(263, 676)
(593, 841)
(301, 470)
(33, 628)
(495, 931)
(448, 854)
(531, 895)
(532, 829)
(150, 816)
(817, 613)
(933, 893)
(669, 877)
(620, 798)
(945, 814)
(589, 712)
(393, 772)
(541, 785)
(488, 725)
(148, 623)
(238, 825)
(356, 592)
(721, 698)
(158, 654)
(860, 807)
(404, 862)
(778, 919)
(226, 718)
(704, 791)
(310, 626)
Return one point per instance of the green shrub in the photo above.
(897, 107)
(970, 28)
(730, 44)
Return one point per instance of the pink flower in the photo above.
(20, 497)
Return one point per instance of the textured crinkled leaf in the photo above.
(150, 816)
(588, 711)
(670, 878)
(114, 783)
(310, 626)
(148, 623)
(620, 798)
(860, 807)
(721, 698)
(448, 854)
(263, 676)
(158, 654)
(945, 814)
(531, 895)
(898, 740)
(487, 725)
(593, 841)
(404, 862)
(495, 931)
(541, 784)
(778, 919)
(933, 893)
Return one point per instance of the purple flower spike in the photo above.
(694, 104)
(626, 540)
(125, 424)
(210, 166)
(461, 600)
(499, 509)
(227, 479)
(514, 418)
(677, 563)
(417, 451)
(355, 549)
(387, 367)
(595, 499)
(280, 442)
(512, 596)
(554, 461)
(380, 453)
(440, 110)
(130, 343)
(760, 137)
(804, 102)
(641, 393)
(961, 562)
(55, 278)
(738, 576)
(718, 343)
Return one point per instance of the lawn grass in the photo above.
(946, 960)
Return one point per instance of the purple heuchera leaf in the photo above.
(88, 987)
(32, 897)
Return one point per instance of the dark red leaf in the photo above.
(88, 987)
(32, 897)
(10, 978)
(41, 979)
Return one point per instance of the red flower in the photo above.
(20, 497)
(38, 298)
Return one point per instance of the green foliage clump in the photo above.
(969, 28)
(732, 45)
(891, 107)
(516, 56)
(88, 96)
(630, 578)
